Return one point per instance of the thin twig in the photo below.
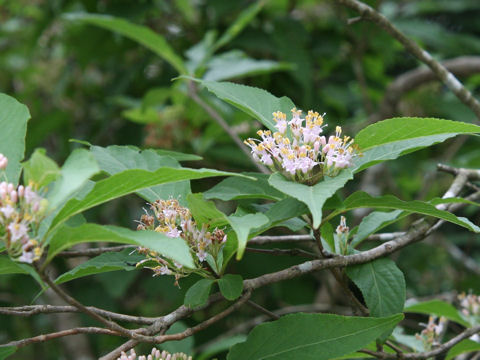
(30, 310)
(60, 334)
(412, 47)
(279, 252)
(263, 310)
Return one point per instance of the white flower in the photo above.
(7, 211)
(17, 231)
(202, 255)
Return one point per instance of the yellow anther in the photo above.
(338, 129)
(260, 132)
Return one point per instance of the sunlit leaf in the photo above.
(13, 125)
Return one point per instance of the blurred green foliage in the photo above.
(83, 82)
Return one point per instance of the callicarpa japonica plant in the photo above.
(207, 236)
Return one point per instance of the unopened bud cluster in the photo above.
(432, 332)
(342, 232)
(21, 210)
(470, 308)
(299, 151)
(174, 220)
(154, 355)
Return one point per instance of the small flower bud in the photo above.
(3, 162)
(14, 196)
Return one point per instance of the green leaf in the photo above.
(382, 285)
(5, 352)
(205, 212)
(40, 169)
(13, 122)
(141, 34)
(311, 336)
(112, 261)
(326, 230)
(78, 168)
(373, 222)
(8, 266)
(245, 17)
(243, 225)
(220, 346)
(389, 139)
(115, 159)
(464, 346)
(281, 212)
(254, 101)
(178, 155)
(438, 308)
(127, 182)
(313, 196)
(197, 295)
(231, 286)
(142, 115)
(234, 188)
(235, 64)
(361, 199)
(173, 248)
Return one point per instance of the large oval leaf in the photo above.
(388, 139)
(13, 122)
(311, 337)
(382, 285)
(254, 101)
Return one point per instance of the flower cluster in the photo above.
(433, 330)
(174, 220)
(21, 210)
(154, 355)
(470, 308)
(299, 151)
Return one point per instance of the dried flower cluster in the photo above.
(154, 355)
(432, 332)
(299, 151)
(470, 308)
(21, 210)
(176, 221)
